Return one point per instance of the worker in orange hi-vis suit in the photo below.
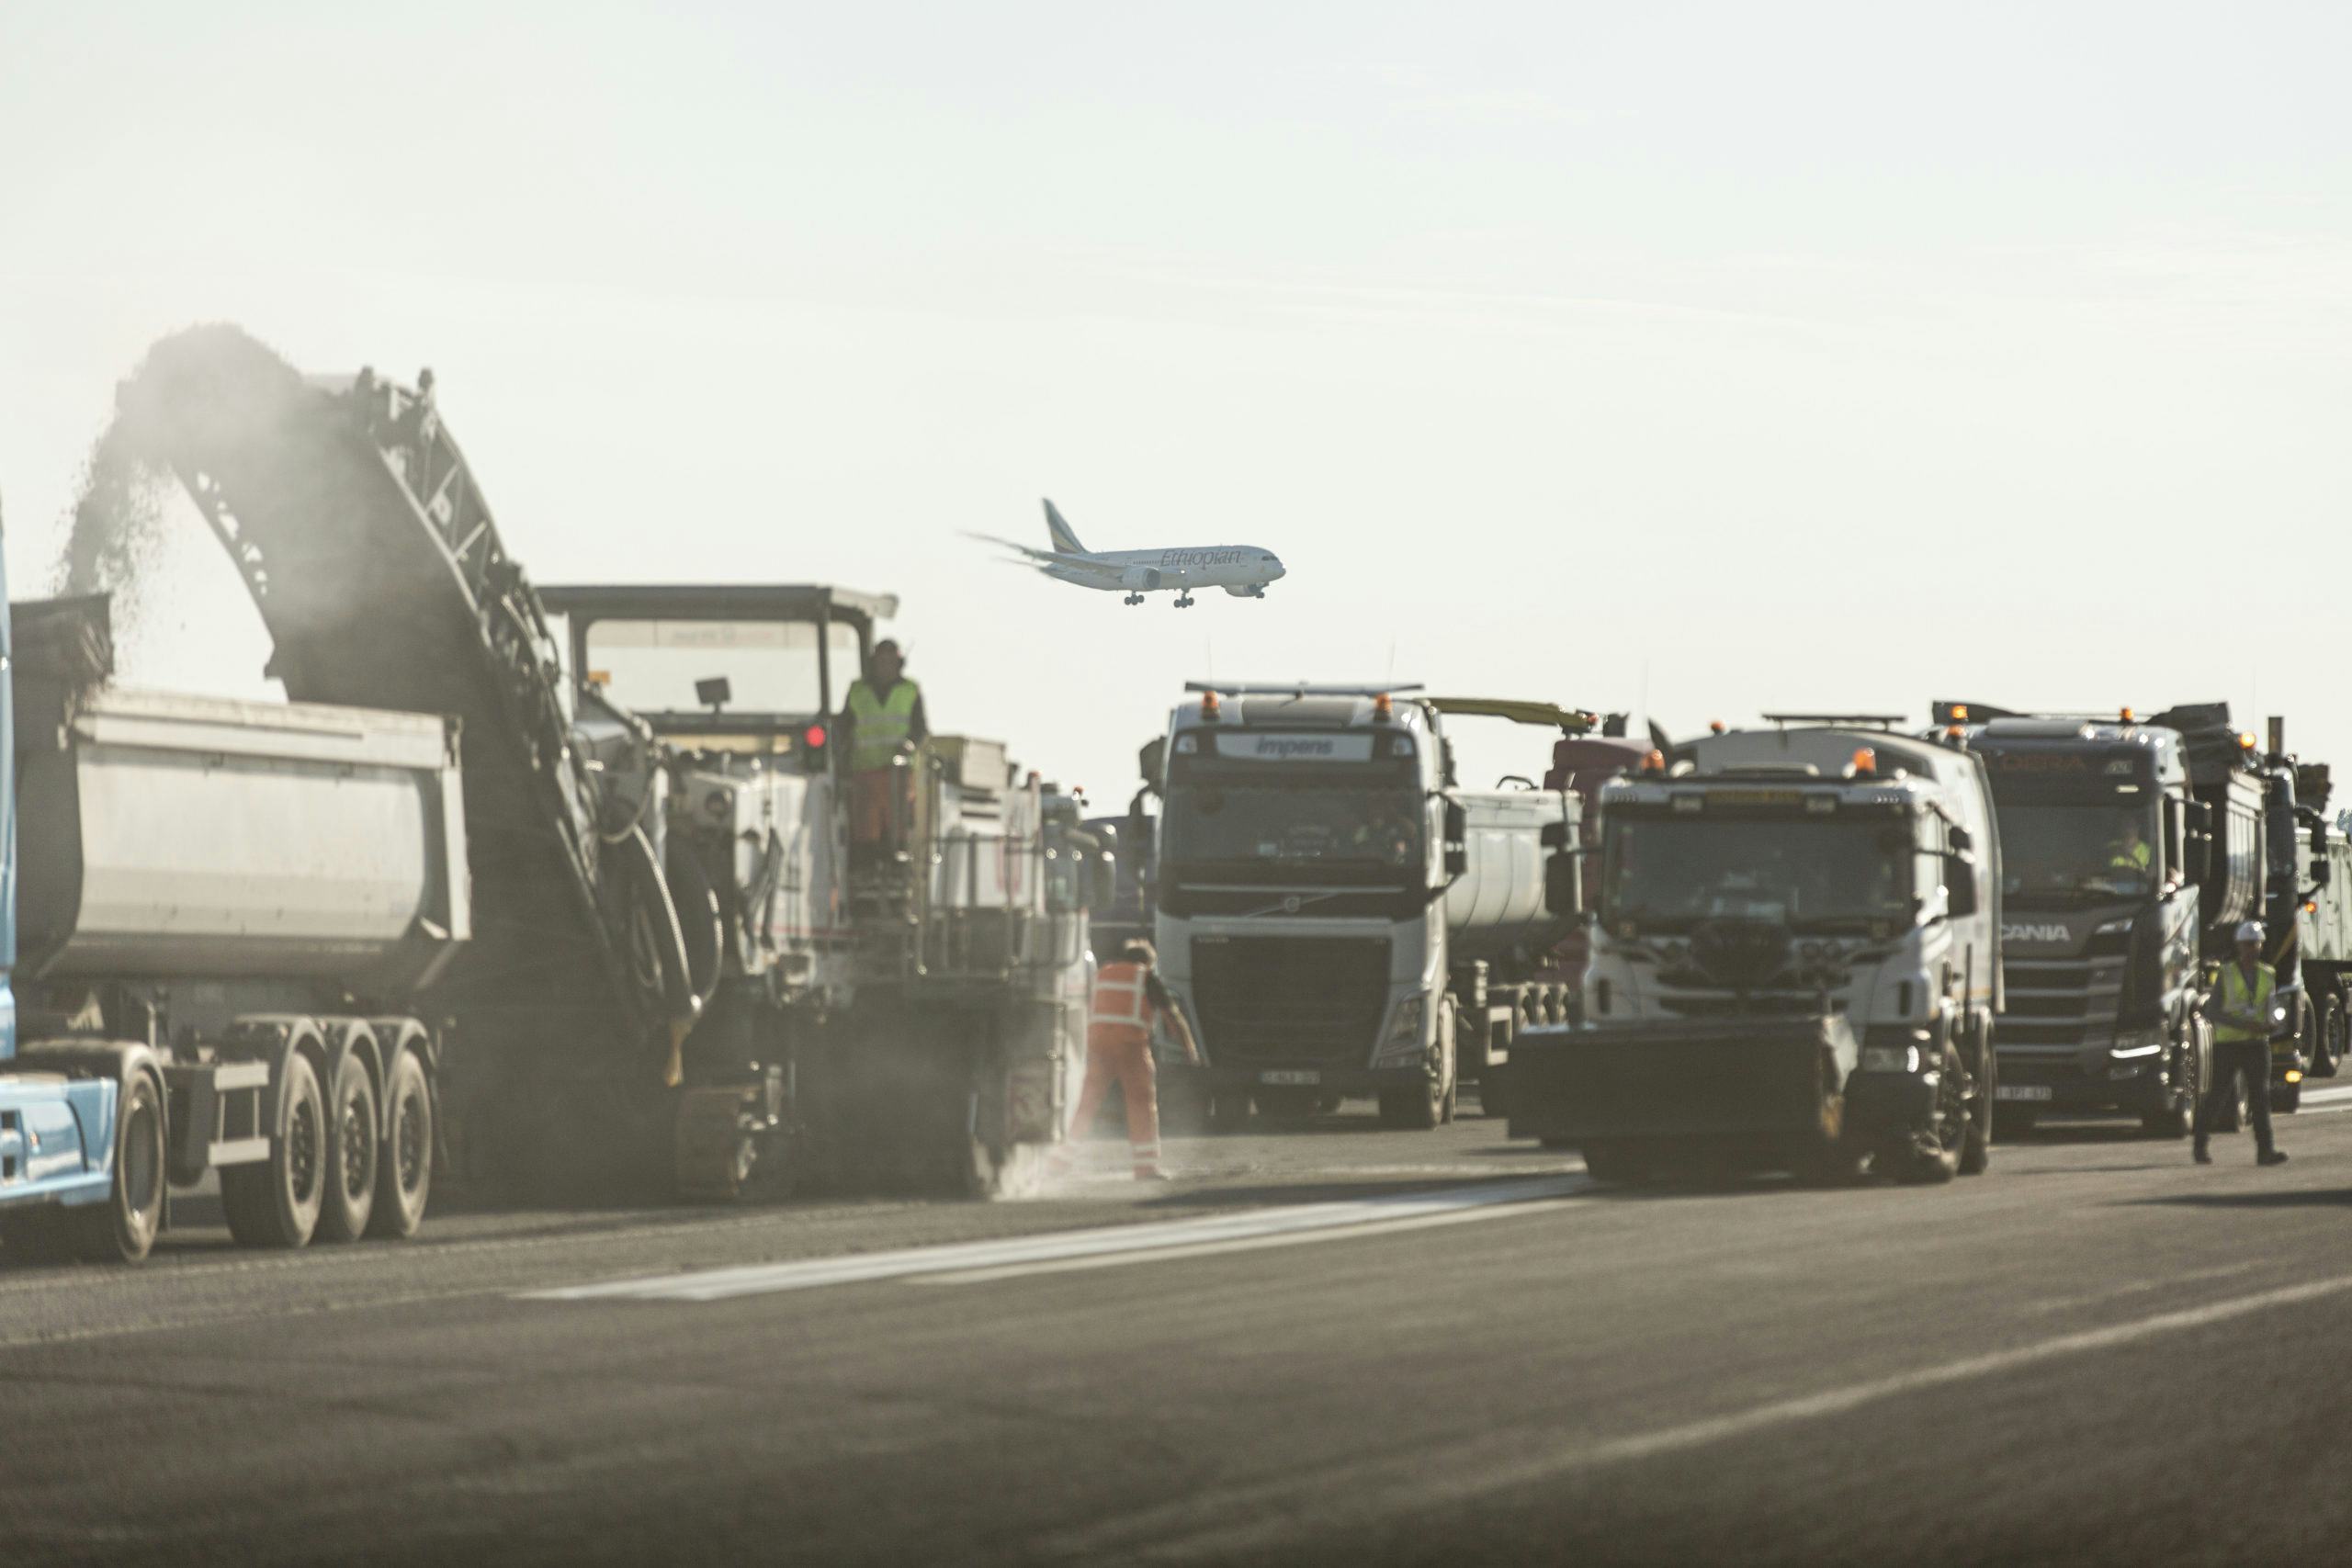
(1128, 997)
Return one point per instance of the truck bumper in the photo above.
(46, 1155)
(1345, 1082)
(1767, 1088)
(2089, 1081)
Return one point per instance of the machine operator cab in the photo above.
(754, 669)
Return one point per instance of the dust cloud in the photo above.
(114, 544)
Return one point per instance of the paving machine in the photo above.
(672, 972)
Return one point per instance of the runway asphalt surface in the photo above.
(1335, 1344)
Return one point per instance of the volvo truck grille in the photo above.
(1314, 1000)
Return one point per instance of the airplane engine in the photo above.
(1143, 578)
(1246, 590)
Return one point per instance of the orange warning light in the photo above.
(1865, 762)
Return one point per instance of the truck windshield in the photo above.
(770, 667)
(1289, 825)
(1678, 872)
(2092, 851)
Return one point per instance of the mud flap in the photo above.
(1763, 1082)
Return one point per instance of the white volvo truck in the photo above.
(1334, 917)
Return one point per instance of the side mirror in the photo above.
(2322, 872)
(1957, 839)
(1102, 883)
(1563, 885)
(1152, 763)
(1457, 860)
(1960, 886)
(1457, 822)
(2199, 858)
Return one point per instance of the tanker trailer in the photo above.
(223, 914)
(1330, 913)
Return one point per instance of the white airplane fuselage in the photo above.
(1242, 570)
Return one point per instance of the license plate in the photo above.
(2021, 1091)
(1290, 1078)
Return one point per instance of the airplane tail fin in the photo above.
(1064, 540)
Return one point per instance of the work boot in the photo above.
(2271, 1156)
(2204, 1154)
(1150, 1173)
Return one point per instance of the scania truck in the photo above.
(1795, 963)
(2131, 851)
(1335, 917)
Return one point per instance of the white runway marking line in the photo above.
(1292, 1507)
(1135, 1243)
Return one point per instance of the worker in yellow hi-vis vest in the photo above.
(881, 723)
(2242, 1046)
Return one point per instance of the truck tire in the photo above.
(404, 1164)
(276, 1202)
(1976, 1154)
(1934, 1158)
(2331, 1038)
(2176, 1117)
(122, 1229)
(354, 1155)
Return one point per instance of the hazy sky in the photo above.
(1744, 356)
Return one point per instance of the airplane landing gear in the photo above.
(1135, 599)
(1185, 601)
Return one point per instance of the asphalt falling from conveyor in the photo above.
(359, 533)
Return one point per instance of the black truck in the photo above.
(2131, 851)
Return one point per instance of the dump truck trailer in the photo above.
(1795, 963)
(221, 915)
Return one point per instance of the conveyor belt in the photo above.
(369, 550)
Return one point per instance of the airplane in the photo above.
(1242, 570)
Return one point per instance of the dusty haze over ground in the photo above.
(1756, 357)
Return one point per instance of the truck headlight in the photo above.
(1404, 1036)
(1890, 1058)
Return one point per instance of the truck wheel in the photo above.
(1976, 1154)
(122, 1229)
(2176, 1117)
(276, 1202)
(404, 1164)
(2331, 1038)
(1934, 1157)
(348, 1193)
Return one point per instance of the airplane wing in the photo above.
(1050, 558)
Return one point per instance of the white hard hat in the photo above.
(2249, 932)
